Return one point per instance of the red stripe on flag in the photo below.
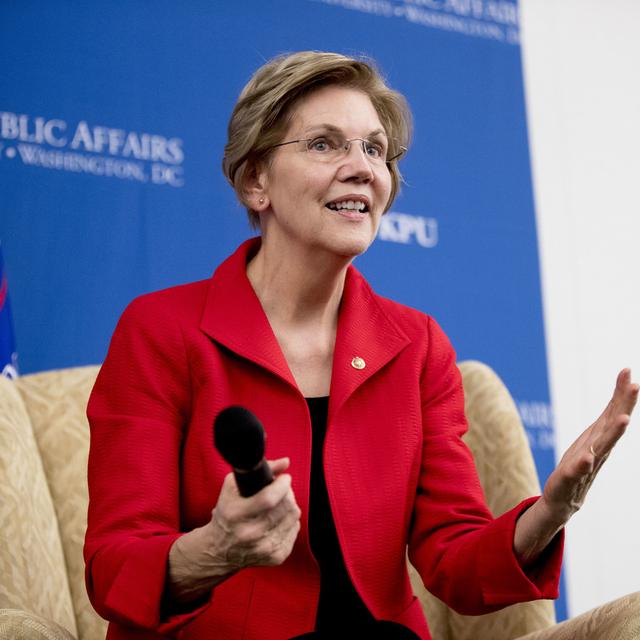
(3, 292)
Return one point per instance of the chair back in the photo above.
(32, 565)
(48, 418)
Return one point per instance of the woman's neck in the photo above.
(298, 290)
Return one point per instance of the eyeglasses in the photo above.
(332, 147)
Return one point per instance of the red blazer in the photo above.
(397, 470)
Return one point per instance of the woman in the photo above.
(360, 397)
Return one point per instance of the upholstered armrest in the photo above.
(15, 623)
(617, 620)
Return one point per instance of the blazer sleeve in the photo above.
(465, 556)
(137, 412)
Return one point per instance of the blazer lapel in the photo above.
(233, 315)
(367, 339)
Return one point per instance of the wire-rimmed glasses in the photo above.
(331, 146)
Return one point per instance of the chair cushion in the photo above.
(27, 626)
(32, 567)
(616, 620)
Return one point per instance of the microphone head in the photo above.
(239, 437)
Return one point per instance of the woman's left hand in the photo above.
(567, 486)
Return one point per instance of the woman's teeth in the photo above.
(348, 204)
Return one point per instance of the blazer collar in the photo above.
(233, 317)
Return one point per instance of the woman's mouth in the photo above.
(353, 209)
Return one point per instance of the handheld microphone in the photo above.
(239, 437)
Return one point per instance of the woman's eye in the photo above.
(319, 145)
(374, 149)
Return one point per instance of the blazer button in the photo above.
(358, 363)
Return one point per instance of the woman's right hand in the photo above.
(258, 531)
(243, 532)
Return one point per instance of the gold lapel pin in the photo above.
(358, 363)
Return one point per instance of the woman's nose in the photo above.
(355, 163)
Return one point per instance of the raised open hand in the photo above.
(567, 487)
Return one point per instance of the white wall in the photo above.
(582, 78)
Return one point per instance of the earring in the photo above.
(261, 201)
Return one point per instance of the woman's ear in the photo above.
(254, 187)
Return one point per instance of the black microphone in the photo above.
(239, 437)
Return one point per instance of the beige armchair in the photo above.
(43, 503)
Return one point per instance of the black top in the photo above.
(339, 604)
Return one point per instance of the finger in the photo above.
(287, 537)
(230, 508)
(229, 494)
(276, 548)
(614, 419)
(269, 526)
(634, 393)
(607, 437)
(625, 394)
(268, 498)
(279, 465)
(290, 519)
(284, 514)
(576, 450)
(271, 519)
(618, 401)
(287, 505)
(234, 508)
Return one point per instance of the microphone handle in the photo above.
(250, 482)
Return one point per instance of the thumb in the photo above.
(279, 465)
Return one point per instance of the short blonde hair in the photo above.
(265, 107)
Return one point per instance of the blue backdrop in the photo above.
(112, 123)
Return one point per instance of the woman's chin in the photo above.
(348, 247)
(352, 243)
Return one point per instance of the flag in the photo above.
(8, 354)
